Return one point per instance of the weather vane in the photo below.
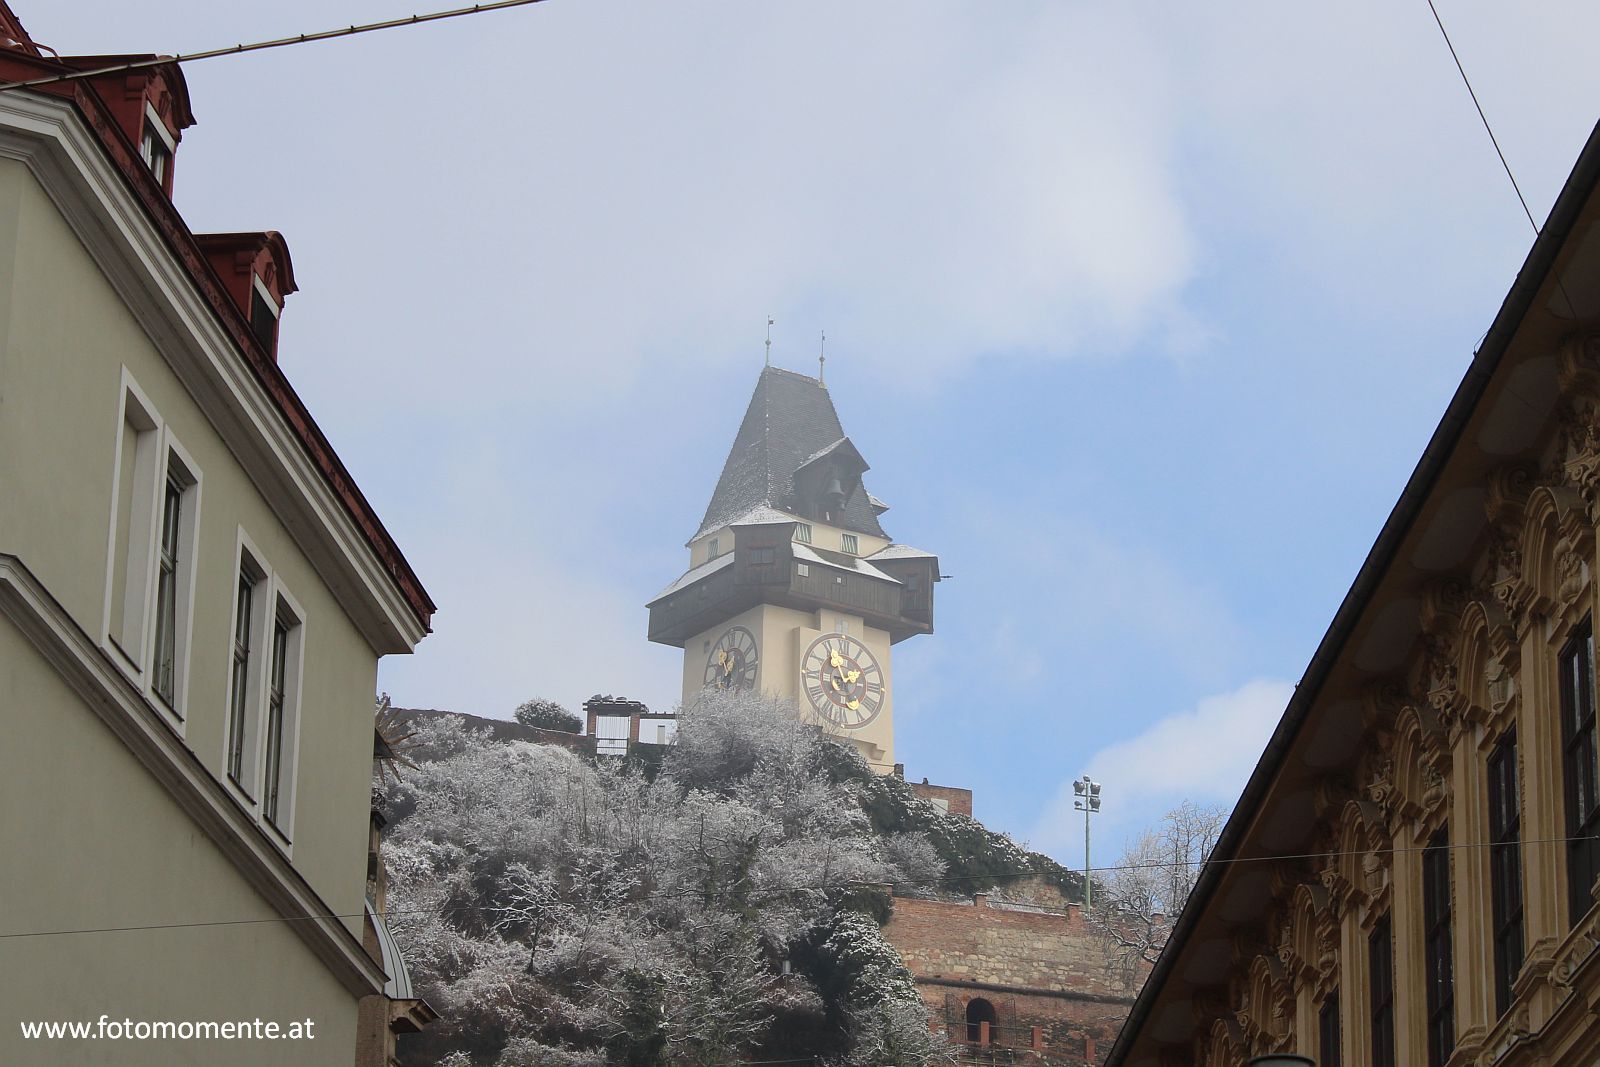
(822, 360)
(769, 340)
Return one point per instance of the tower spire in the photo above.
(822, 360)
(769, 340)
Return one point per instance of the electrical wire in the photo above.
(1504, 163)
(775, 890)
(259, 46)
(1483, 118)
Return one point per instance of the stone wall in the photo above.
(1058, 992)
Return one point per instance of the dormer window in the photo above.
(711, 549)
(156, 146)
(263, 314)
(847, 543)
(802, 532)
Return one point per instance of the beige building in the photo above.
(1410, 876)
(793, 588)
(193, 600)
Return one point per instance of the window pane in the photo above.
(167, 596)
(280, 641)
(238, 702)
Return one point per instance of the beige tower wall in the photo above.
(782, 635)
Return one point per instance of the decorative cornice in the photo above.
(84, 667)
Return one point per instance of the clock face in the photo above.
(733, 659)
(842, 680)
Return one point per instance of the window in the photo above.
(847, 543)
(240, 706)
(1328, 1030)
(1579, 771)
(841, 625)
(138, 450)
(763, 556)
(802, 569)
(282, 679)
(268, 644)
(711, 549)
(1505, 868)
(156, 146)
(802, 532)
(1438, 957)
(263, 316)
(167, 594)
(150, 569)
(1380, 982)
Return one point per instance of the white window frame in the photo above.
(850, 543)
(270, 600)
(287, 608)
(158, 454)
(266, 294)
(802, 533)
(246, 787)
(711, 549)
(153, 124)
(180, 467)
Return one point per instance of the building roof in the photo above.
(24, 60)
(1397, 561)
(898, 551)
(791, 421)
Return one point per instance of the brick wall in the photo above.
(955, 800)
(1057, 992)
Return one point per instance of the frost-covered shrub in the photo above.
(566, 913)
(548, 715)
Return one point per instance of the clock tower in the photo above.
(794, 589)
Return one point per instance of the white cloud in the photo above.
(1204, 754)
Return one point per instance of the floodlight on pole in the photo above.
(1088, 802)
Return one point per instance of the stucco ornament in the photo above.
(1374, 872)
(1569, 572)
(1434, 787)
(1381, 789)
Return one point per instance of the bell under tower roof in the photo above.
(791, 428)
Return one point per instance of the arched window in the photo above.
(980, 1011)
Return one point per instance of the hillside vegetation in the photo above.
(719, 907)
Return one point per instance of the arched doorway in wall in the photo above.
(980, 1011)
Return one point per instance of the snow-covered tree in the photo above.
(726, 908)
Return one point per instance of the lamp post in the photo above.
(1088, 802)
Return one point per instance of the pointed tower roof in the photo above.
(791, 424)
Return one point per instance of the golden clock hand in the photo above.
(835, 660)
(854, 705)
(851, 676)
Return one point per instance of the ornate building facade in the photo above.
(1410, 876)
(794, 588)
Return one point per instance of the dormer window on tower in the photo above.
(156, 146)
(848, 543)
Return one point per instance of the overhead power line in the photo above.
(261, 46)
(1483, 118)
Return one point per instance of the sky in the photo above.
(1142, 314)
